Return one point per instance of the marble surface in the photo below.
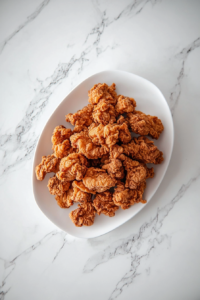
(46, 48)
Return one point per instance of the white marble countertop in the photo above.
(46, 48)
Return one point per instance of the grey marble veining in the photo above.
(158, 40)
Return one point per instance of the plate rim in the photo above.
(36, 146)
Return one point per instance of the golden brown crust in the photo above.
(104, 204)
(48, 164)
(65, 200)
(81, 119)
(98, 180)
(125, 105)
(57, 187)
(104, 113)
(80, 196)
(114, 168)
(125, 197)
(84, 215)
(145, 124)
(102, 91)
(60, 134)
(144, 150)
(72, 167)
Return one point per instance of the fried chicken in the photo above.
(80, 196)
(145, 124)
(60, 134)
(114, 132)
(84, 215)
(63, 149)
(144, 150)
(102, 91)
(136, 172)
(98, 180)
(116, 151)
(73, 166)
(65, 200)
(82, 187)
(57, 187)
(96, 133)
(104, 204)
(86, 146)
(104, 113)
(114, 168)
(81, 119)
(125, 105)
(122, 120)
(125, 197)
(48, 164)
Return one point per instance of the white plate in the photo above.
(149, 100)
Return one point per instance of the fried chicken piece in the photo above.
(83, 215)
(98, 180)
(57, 187)
(48, 164)
(81, 119)
(136, 172)
(144, 150)
(96, 133)
(102, 91)
(63, 149)
(114, 168)
(104, 204)
(85, 146)
(74, 166)
(104, 113)
(145, 124)
(125, 105)
(122, 120)
(60, 134)
(65, 200)
(80, 196)
(80, 186)
(125, 197)
(114, 132)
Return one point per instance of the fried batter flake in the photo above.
(84, 215)
(104, 204)
(144, 150)
(125, 105)
(98, 180)
(48, 164)
(145, 124)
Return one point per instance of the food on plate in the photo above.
(99, 164)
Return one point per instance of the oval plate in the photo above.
(150, 101)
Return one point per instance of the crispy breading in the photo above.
(104, 113)
(114, 168)
(65, 200)
(122, 120)
(84, 215)
(116, 151)
(102, 91)
(48, 164)
(114, 132)
(82, 187)
(96, 133)
(60, 134)
(63, 149)
(57, 187)
(73, 166)
(145, 124)
(136, 172)
(85, 146)
(125, 197)
(98, 180)
(144, 150)
(80, 196)
(81, 119)
(125, 105)
(104, 204)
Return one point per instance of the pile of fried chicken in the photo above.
(98, 164)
